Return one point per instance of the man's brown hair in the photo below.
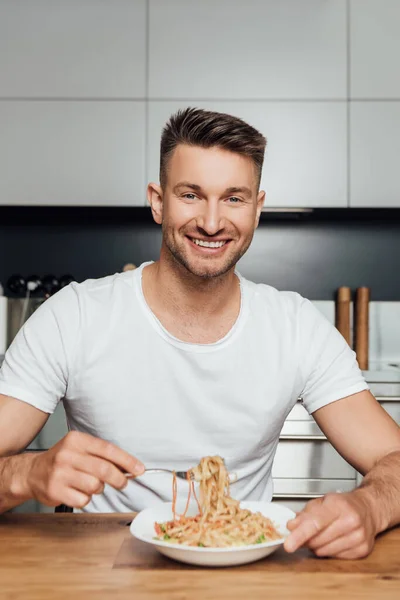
(207, 129)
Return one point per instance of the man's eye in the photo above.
(189, 196)
(234, 200)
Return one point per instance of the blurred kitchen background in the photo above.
(85, 89)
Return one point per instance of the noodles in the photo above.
(220, 521)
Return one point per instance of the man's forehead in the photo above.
(203, 166)
(188, 151)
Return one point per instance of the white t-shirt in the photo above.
(122, 377)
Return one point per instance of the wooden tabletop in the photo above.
(62, 556)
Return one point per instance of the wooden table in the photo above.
(59, 556)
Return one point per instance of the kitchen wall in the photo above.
(86, 86)
(313, 255)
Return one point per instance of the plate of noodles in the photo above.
(216, 531)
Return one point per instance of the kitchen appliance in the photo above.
(19, 311)
(27, 295)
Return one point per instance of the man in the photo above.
(183, 358)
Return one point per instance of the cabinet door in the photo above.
(374, 49)
(393, 408)
(301, 168)
(260, 49)
(72, 153)
(375, 152)
(295, 493)
(72, 49)
(310, 459)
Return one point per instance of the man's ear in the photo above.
(260, 204)
(155, 199)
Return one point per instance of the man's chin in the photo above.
(205, 271)
(208, 274)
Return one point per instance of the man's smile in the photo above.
(208, 245)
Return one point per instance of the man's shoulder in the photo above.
(272, 297)
(104, 286)
(284, 307)
(83, 297)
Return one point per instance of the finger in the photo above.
(73, 498)
(108, 451)
(359, 552)
(293, 523)
(307, 526)
(126, 462)
(341, 544)
(105, 471)
(311, 506)
(82, 482)
(338, 528)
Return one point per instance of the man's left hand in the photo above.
(338, 525)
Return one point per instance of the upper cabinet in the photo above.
(375, 103)
(72, 153)
(305, 162)
(72, 49)
(281, 66)
(87, 85)
(72, 109)
(255, 49)
(375, 154)
(374, 49)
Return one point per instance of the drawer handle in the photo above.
(298, 496)
(312, 438)
(387, 398)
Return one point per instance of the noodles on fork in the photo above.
(220, 521)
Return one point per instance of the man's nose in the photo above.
(211, 219)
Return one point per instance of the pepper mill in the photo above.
(342, 316)
(361, 327)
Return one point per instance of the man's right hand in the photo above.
(78, 467)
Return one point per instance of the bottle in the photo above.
(3, 322)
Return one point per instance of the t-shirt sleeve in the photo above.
(37, 364)
(329, 366)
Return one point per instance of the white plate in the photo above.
(142, 528)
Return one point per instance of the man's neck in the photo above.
(193, 309)
(179, 292)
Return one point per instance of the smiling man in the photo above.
(184, 357)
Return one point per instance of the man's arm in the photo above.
(70, 472)
(345, 525)
(19, 424)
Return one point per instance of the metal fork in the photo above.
(179, 474)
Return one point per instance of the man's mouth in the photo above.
(214, 244)
(209, 243)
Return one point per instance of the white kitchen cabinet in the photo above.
(374, 49)
(72, 153)
(295, 493)
(258, 49)
(72, 49)
(306, 158)
(374, 154)
(310, 459)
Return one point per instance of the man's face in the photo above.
(210, 208)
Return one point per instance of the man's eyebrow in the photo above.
(239, 190)
(197, 188)
(187, 184)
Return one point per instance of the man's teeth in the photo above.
(209, 244)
